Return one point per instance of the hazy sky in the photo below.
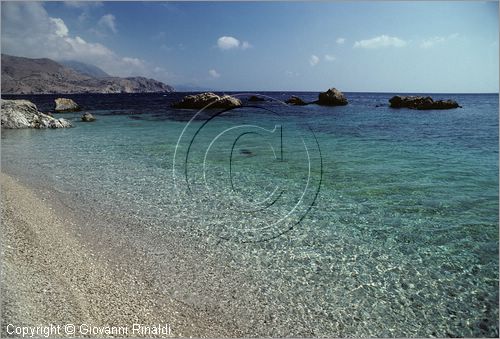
(361, 46)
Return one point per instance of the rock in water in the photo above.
(296, 101)
(87, 117)
(24, 114)
(201, 100)
(421, 103)
(246, 152)
(332, 97)
(66, 105)
(256, 98)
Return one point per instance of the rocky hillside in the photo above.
(45, 76)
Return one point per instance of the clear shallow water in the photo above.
(402, 239)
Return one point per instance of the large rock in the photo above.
(66, 105)
(201, 100)
(332, 97)
(87, 117)
(24, 114)
(422, 103)
(296, 101)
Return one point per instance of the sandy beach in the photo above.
(51, 275)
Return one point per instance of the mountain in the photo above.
(85, 69)
(45, 76)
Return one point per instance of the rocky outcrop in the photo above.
(87, 117)
(332, 97)
(201, 100)
(421, 103)
(24, 114)
(66, 105)
(296, 101)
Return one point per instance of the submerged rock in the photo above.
(87, 117)
(201, 100)
(296, 101)
(256, 98)
(66, 105)
(24, 114)
(421, 103)
(332, 97)
(246, 152)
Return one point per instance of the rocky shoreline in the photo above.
(207, 100)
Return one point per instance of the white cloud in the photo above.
(340, 41)
(313, 60)
(108, 21)
(26, 24)
(60, 27)
(213, 73)
(380, 41)
(329, 57)
(229, 42)
(436, 40)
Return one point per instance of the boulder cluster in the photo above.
(202, 100)
(25, 114)
(332, 97)
(421, 103)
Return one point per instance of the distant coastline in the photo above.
(45, 76)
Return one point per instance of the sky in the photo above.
(407, 46)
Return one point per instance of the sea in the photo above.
(358, 220)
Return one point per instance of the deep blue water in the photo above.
(358, 220)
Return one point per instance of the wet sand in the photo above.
(51, 274)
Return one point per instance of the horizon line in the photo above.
(257, 91)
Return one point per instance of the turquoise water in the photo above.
(293, 221)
